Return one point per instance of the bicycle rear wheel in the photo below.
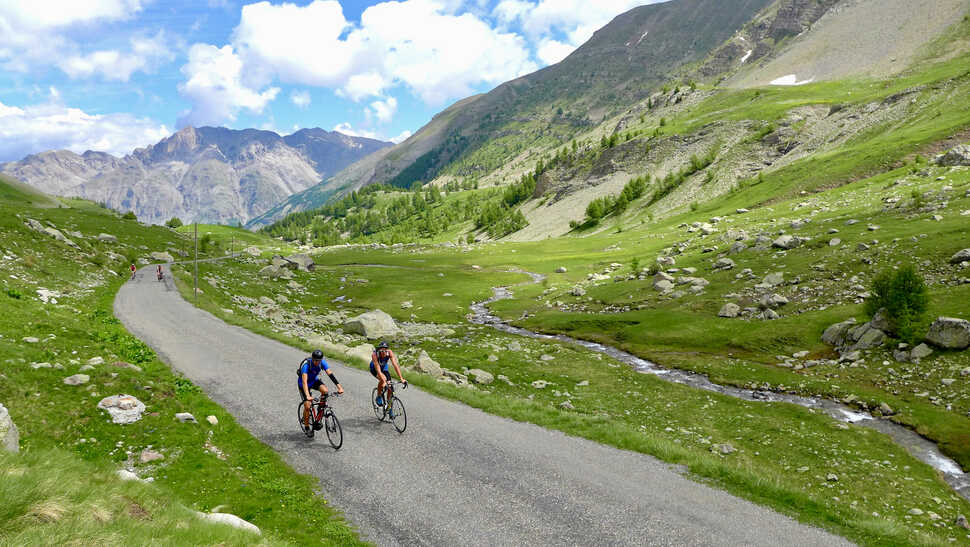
(300, 412)
(399, 417)
(335, 434)
(378, 409)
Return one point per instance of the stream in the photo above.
(921, 448)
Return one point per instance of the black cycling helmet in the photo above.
(317, 354)
(383, 345)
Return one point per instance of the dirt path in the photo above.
(457, 476)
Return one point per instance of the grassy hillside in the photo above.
(57, 322)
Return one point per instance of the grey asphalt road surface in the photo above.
(456, 476)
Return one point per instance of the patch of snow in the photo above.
(746, 55)
(791, 79)
(642, 37)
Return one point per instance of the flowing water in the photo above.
(920, 447)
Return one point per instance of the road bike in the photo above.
(322, 417)
(392, 409)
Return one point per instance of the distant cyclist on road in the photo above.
(307, 379)
(159, 272)
(133, 269)
(379, 360)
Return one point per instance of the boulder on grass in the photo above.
(479, 376)
(729, 310)
(373, 325)
(949, 333)
(957, 156)
(303, 262)
(9, 436)
(837, 334)
(425, 364)
(960, 257)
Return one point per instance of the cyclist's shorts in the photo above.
(373, 372)
(315, 385)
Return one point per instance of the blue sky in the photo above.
(112, 75)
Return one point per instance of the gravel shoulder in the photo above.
(457, 476)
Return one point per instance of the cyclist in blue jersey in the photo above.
(307, 379)
(379, 360)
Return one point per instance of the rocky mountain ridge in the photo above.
(209, 174)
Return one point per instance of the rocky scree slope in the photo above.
(208, 174)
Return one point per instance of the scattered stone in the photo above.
(9, 435)
(539, 384)
(185, 417)
(663, 285)
(126, 475)
(921, 351)
(96, 361)
(949, 333)
(36, 366)
(547, 357)
(265, 300)
(426, 365)
(252, 251)
(561, 269)
(123, 409)
(886, 409)
(77, 379)
(30, 340)
(962, 522)
(786, 242)
(492, 358)
(583, 383)
(578, 291)
(770, 315)
(723, 264)
(723, 449)
(148, 455)
(107, 238)
(515, 346)
(566, 405)
(406, 305)
(212, 420)
(730, 310)
(960, 257)
(231, 520)
(835, 242)
(303, 262)
(741, 211)
(774, 279)
(915, 512)
(957, 156)
(480, 376)
(832, 477)
(372, 325)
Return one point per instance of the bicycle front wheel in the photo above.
(378, 409)
(398, 415)
(300, 414)
(335, 434)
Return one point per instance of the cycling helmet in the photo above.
(317, 354)
(383, 345)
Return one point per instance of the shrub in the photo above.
(130, 215)
(904, 296)
(174, 222)
(635, 265)
(918, 200)
(694, 206)
(15, 294)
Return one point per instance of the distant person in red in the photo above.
(132, 270)
(159, 272)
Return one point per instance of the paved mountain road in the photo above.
(457, 476)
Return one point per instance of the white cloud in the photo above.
(300, 98)
(419, 43)
(348, 130)
(383, 110)
(31, 32)
(145, 55)
(53, 126)
(552, 51)
(216, 89)
(402, 137)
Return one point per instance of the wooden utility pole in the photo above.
(196, 289)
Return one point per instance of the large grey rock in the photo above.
(373, 325)
(480, 376)
(868, 338)
(56, 234)
(729, 310)
(252, 251)
(578, 291)
(427, 365)
(881, 322)
(186, 418)
(231, 520)
(957, 156)
(663, 285)
(949, 333)
(107, 238)
(77, 379)
(162, 256)
(921, 351)
(271, 271)
(723, 264)
(961, 256)
(9, 436)
(123, 409)
(774, 279)
(837, 334)
(303, 262)
(786, 242)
